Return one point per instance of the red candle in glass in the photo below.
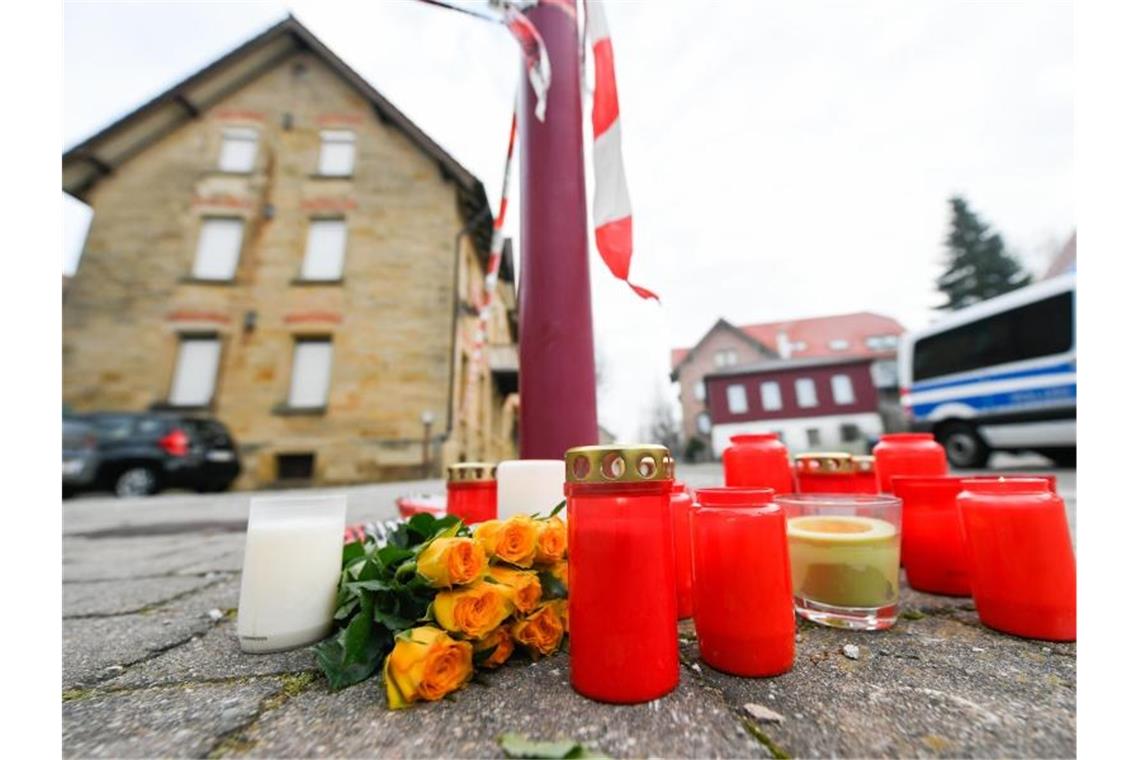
(758, 460)
(866, 480)
(933, 550)
(825, 472)
(908, 454)
(744, 612)
(623, 608)
(681, 506)
(1022, 567)
(472, 493)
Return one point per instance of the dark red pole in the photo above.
(558, 408)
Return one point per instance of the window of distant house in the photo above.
(838, 344)
(239, 150)
(805, 393)
(770, 397)
(699, 390)
(725, 357)
(219, 247)
(737, 399)
(704, 423)
(338, 152)
(312, 369)
(849, 433)
(842, 390)
(195, 371)
(324, 253)
(813, 436)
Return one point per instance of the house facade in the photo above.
(813, 404)
(274, 244)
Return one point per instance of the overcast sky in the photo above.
(784, 159)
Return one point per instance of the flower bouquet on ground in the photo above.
(433, 601)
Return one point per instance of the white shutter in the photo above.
(239, 150)
(805, 393)
(324, 254)
(338, 152)
(770, 397)
(312, 365)
(219, 246)
(196, 371)
(842, 390)
(737, 399)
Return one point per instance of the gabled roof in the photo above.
(720, 324)
(99, 155)
(777, 365)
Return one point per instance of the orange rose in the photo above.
(517, 541)
(487, 533)
(425, 664)
(474, 611)
(551, 540)
(540, 632)
(447, 562)
(563, 608)
(524, 588)
(495, 648)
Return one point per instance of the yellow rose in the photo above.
(540, 632)
(524, 588)
(551, 540)
(449, 562)
(563, 608)
(516, 541)
(425, 664)
(495, 648)
(486, 534)
(474, 611)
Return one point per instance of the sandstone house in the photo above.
(276, 245)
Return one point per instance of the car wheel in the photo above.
(136, 481)
(964, 447)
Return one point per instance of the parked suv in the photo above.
(143, 453)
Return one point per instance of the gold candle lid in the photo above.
(864, 463)
(825, 463)
(631, 463)
(470, 472)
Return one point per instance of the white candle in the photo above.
(527, 486)
(289, 577)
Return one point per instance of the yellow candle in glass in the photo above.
(844, 560)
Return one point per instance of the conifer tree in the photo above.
(977, 264)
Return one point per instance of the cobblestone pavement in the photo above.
(151, 667)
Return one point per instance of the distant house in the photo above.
(862, 335)
(275, 244)
(813, 404)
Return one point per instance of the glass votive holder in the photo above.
(1022, 568)
(681, 507)
(844, 553)
(933, 550)
(290, 572)
(471, 492)
(743, 610)
(527, 486)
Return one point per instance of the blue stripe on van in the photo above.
(991, 402)
(929, 385)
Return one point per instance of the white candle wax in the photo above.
(527, 486)
(290, 573)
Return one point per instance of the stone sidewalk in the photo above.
(151, 667)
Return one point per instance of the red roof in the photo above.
(839, 335)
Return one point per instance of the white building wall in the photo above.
(794, 431)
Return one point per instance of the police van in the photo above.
(1000, 375)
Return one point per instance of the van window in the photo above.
(1042, 328)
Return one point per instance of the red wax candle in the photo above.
(1022, 567)
(757, 460)
(681, 505)
(866, 480)
(623, 604)
(744, 612)
(825, 472)
(908, 454)
(472, 493)
(933, 550)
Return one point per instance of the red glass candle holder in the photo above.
(745, 621)
(623, 609)
(825, 472)
(472, 493)
(866, 480)
(1022, 568)
(933, 550)
(908, 454)
(681, 506)
(757, 460)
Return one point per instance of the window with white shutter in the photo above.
(195, 372)
(770, 397)
(219, 248)
(737, 399)
(842, 390)
(338, 152)
(239, 150)
(805, 393)
(324, 254)
(312, 369)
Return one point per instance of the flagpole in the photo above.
(558, 406)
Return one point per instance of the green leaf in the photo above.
(423, 524)
(518, 746)
(355, 652)
(561, 506)
(391, 555)
(371, 585)
(351, 551)
(346, 609)
(552, 588)
(392, 622)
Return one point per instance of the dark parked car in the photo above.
(80, 456)
(142, 453)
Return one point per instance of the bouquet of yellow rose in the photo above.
(435, 601)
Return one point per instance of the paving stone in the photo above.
(112, 558)
(116, 597)
(182, 721)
